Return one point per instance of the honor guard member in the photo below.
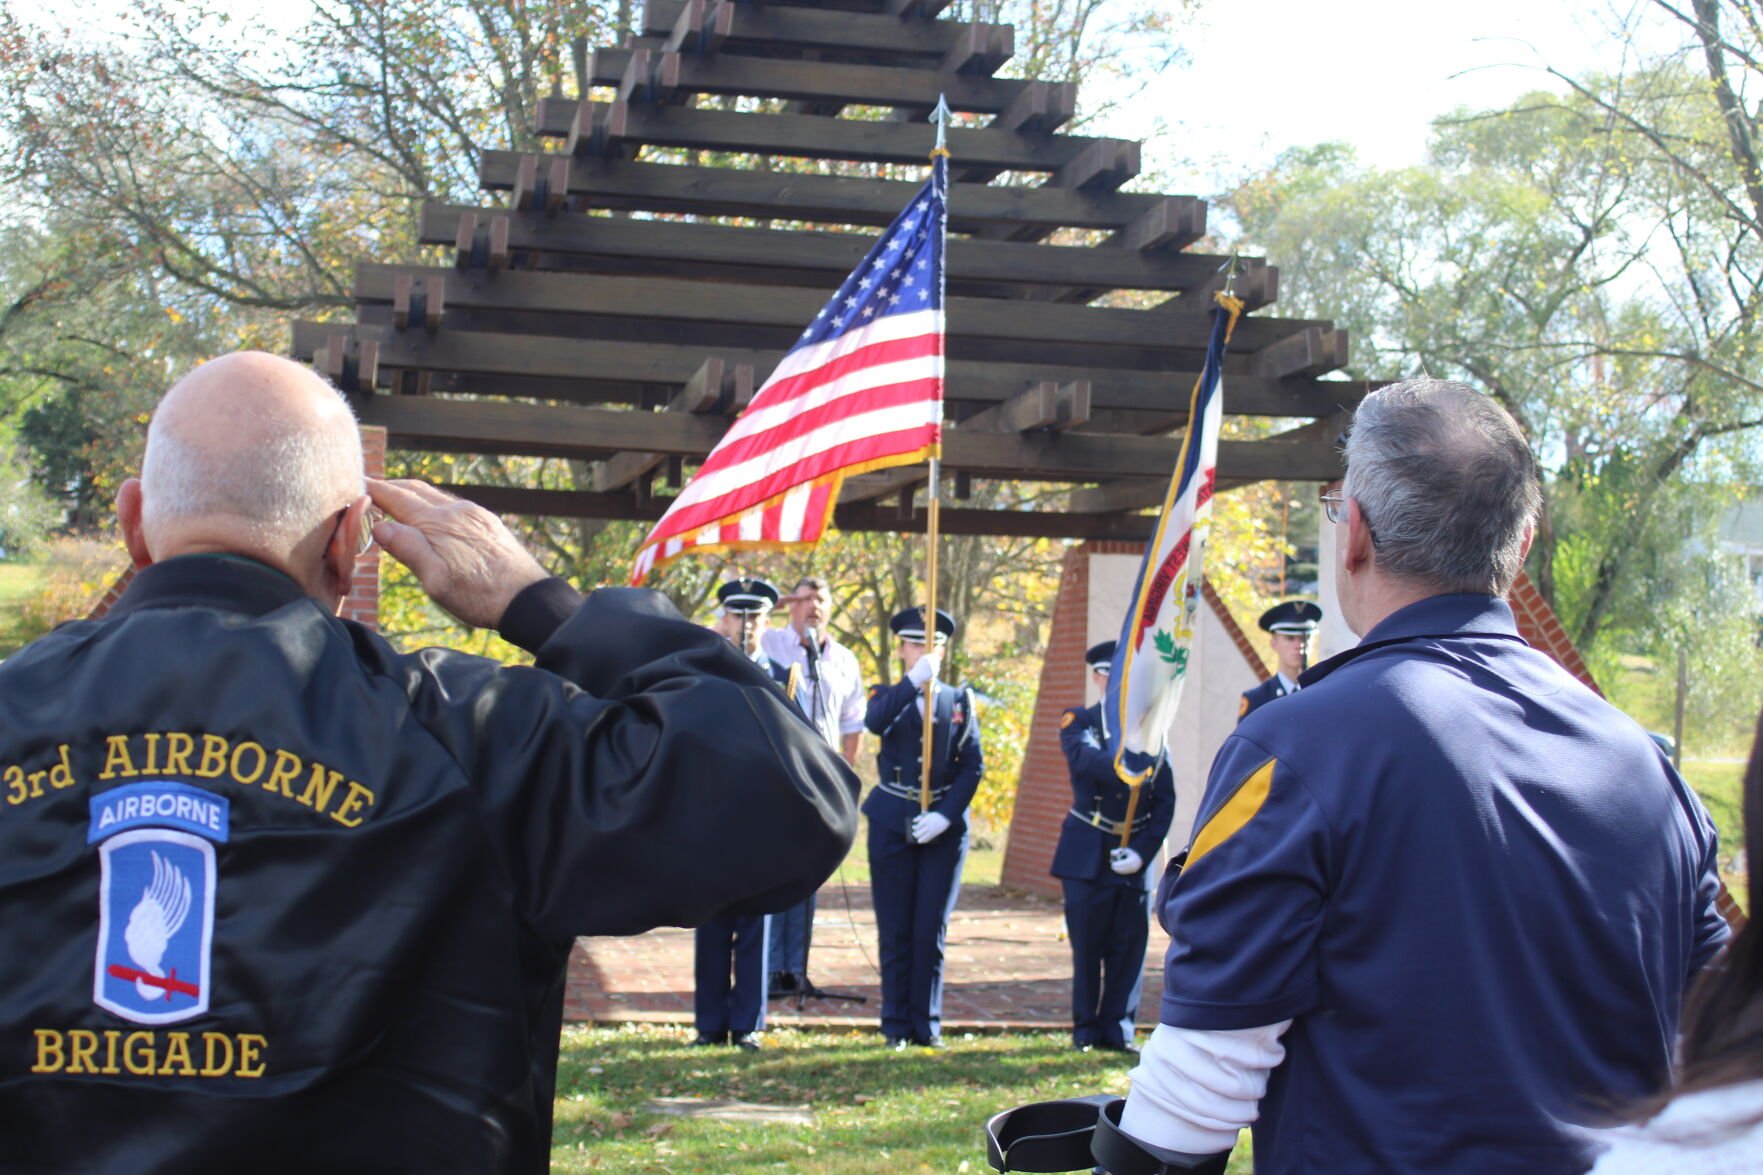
(726, 1013)
(280, 897)
(1441, 905)
(1107, 885)
(1291, 624)
(915, 856)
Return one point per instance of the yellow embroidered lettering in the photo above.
(61, 775)
(251, 1063)
(352, 803)
(152, 767)
(82, 1044)
(138, 1061)
(178, 746)
(213, 762)
(177, 1052)
(36, 778)
(320, 786)
(285, 770)
(117, 763)
(111, 1036)
(217, 1054)
(14, 777)
(240, 775)
(50, 1057)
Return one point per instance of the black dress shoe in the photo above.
(705, 1038)
(747, 1041)
(1082, 1046)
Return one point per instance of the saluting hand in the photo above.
(464, 557)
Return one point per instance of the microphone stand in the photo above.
(809, 990)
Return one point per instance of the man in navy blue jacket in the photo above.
(1441, 905)
(1107, 884)
(915, 854)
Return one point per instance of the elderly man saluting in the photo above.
(1442, 903)
(293, 900)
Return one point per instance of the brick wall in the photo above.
(363, 602)
(111, 595)
(1044, 793)
(1538, 625)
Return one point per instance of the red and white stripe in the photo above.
(868, 398)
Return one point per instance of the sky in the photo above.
(1266, 75)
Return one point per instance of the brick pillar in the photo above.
(1044, 792)
(363, 602)
(111, 594)
(1538, 624)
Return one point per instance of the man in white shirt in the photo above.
(830, 691)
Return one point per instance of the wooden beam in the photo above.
(856, 516)
(1312, 351)
(884, 483)
(661, 299)
(1045, 405)
(833, 82)
(704, 392)
(1106, 162)
(980, 50)
(626, 185)
(568, 368)
(485, 426)
(1138, 493)
(1040, 109)
(777, 27)
(1172, 224)
(819, 259)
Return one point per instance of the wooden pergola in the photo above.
(622, 299)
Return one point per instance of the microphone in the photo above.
(812, 638)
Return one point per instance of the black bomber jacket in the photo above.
(274, 896)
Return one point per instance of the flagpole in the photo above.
(1132, 791)
(933, 504)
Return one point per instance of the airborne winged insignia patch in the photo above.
(155, 899)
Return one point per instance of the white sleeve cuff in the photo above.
(1193, 1090)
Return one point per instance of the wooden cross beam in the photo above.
(1044, 405)
(783, 27)
(601, 371)
(703, 393)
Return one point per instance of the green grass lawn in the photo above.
(18, 582)
(873, 1109)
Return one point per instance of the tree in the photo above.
(1549, 254)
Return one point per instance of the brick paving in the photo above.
(1008, 966)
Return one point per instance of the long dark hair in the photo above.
(1722, 1041)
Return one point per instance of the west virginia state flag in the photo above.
(1151, 658)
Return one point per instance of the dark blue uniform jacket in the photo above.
(1253, 699)
(1082, 854)
(958, 761)
(356, 874)
(1477, 889)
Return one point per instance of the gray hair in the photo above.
(279, 487)
(1446, 483)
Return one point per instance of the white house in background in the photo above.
(1741, 536)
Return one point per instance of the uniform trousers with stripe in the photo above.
(915, 888)
(1108, 922)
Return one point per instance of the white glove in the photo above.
(1124, 861)
(924, 669)
(927, 826)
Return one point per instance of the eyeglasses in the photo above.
(371, 519)
(1335, 507)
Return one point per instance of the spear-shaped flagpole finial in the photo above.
(1229, 270)
(941, 116)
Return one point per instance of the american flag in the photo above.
(1151, 657)
(862, 389)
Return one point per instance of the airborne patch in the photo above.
(155, 900)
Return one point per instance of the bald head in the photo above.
(250, 448)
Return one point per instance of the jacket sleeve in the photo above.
(1161, 797)
(642, 773)
(886, 703)
(967, 764)
(1088, 764)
